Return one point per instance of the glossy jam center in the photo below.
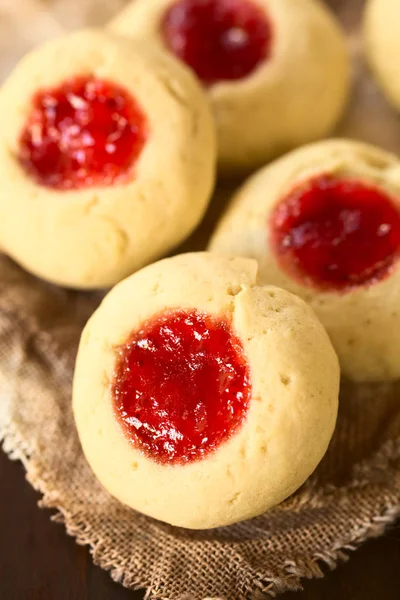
(219, 39)
(82, 133)
(182, 386)
(336, 233)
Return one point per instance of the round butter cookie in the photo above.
(324, 223)
(276, 71)
(382, 43)
(107, 158)
(200, 397)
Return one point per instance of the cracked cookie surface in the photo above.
(268, 364)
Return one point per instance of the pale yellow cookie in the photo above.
(202, 398)
(342, 256)
(382, 44)
(93, 233)
(294, 94)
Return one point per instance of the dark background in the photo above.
(38, 561)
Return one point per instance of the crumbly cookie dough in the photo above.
(295, 97)
(382, 44)
(292, 413)
(94, 237)
(363, 323)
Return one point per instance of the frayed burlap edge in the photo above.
(380, 462)
(293, 571)
(368, 119)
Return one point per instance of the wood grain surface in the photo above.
(38, 561)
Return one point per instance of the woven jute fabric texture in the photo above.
(353, 496)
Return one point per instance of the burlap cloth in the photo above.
(353, 495)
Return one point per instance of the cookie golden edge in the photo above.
(362, 323)
(295, 379)
(246, 110)
(94, 237)
(382, 46)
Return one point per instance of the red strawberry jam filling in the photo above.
(182, 386)
(219, 39)
(336, 234)
(83, 133)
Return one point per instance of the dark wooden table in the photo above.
(38, 561)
